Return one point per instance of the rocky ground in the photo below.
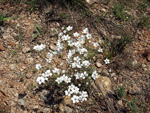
(130, 62)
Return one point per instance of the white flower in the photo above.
(59, 46)
(85, 31)
(72, 89)
(62, 28)
(40, 80)
(83, 96)
(56, 70)
(75, 34)
(100, 50)
(75, 99)
(96, 44)
(64, 31)
(47, 74)
(81, 39)
(95, 75)
(81, 75)
(38, 66)
(63, 71)
(60, 34)
(107, 61)
(39, 47)
(78, 44)
(88, 36)
(65, 37)
(69, 28)
(63, 78)
(85, 63)
(48, 60)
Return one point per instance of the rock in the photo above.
(25, 49)
(21, 102)
(120, 102)
(28, 76)
(53, 47)
(43, 94)
(134, 63)
(2, 48)
(148, 58)
(103, 84)
(36, 107)
(65, 109)
(91, 1)
(7, 36)
(98, 64)
(29, 60)
(67, 100)
(12, 66)
(47, 110)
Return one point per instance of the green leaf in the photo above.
(35, 35)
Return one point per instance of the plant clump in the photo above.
(79, 71)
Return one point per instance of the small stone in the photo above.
(91, 1)
(120, 102)
(29, 60)
(65, 109)
(143, 65)
(47, 110)
(21, 102)
(28, 76)
(2, 48)
(67, 100)
(53, 47)
(36, 107)
(25, 49)
(12, 66)
(134, 63)
(104, 84)
(98, 64)
(148, 58)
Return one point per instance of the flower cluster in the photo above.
(44, 77)
(38, 66)
(63, 78)
(39, 47)
(75, 61)
(77, 96)
(81, 75)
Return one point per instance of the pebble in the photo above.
(98, 64)
(25, 49)
(29, 60)
(28, 76)
(134, 63)
(120, 102)
(46, 110)
(21, 102)
(53, 47)
(12, 66)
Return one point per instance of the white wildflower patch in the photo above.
(56, 70)
(76, 67)
(63, 78)
(38, 66)
(40, 80)
(100, 50)
(96, 44)
(76, 34)
(39, 47)
(95, 75)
